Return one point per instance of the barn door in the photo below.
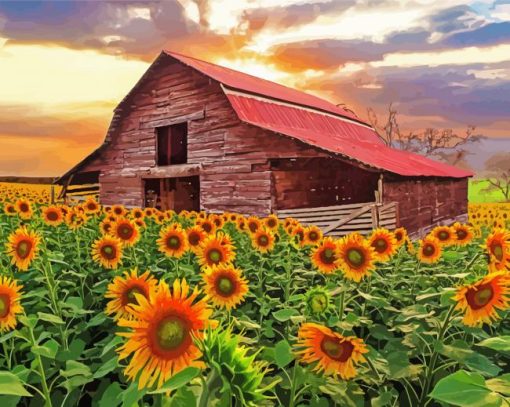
(179, 193)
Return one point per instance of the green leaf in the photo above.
(465, 389)
(284, 314)
(106, 368)
(48, 350)
(111, 395)
(74, 368)
(131, 395)
(50, 318)
(11, 385)
(178, 380)
(500, 343)
(183, 397)
(500, 384)
(283, 354)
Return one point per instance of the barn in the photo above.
(194, 135)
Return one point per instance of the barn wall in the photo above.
(425, 202)
(314, 182)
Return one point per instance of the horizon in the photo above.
(65, 65)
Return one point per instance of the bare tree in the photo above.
(497, 172)
(445, 144)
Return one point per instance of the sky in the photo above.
(64, 65)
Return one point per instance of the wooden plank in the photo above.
(173, 120)
(346, 219)
(284, 212)
(172, 171)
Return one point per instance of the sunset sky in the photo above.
(64, 65)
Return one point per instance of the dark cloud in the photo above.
(455, 19)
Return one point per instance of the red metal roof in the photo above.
(315, 121)
(352, 140)
(252, 84)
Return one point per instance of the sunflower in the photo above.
(480, 301)
(137, 213)
(216, 250)
(241, 224)
(332, 353)
(91, 206)
(253, 224)
(24, 208)
(271, 222)
(107, 251)
(463, 234)
(22, 246)
(149, 212)
(119, 210)
(400, 236)
(10, 306)
(162, 333)
(429, 250)
(225, 286)
(196, 236)
(9, 209)
(444, 234)
(123, 289)
(356, 257)
(207, 226)
(126, 231)
(313, 235)
(263, 240)
(325, 256)
(384, 244)
(498, 247)
(52, 215)
(217, 220)
(106, 226)
(140, 223)
(75, 219)
(299, 232)
(173, 241)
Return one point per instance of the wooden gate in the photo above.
(344, 219)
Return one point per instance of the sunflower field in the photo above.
(110, 306)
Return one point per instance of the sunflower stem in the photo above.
(433, 359)
(342, 305)
(44, 384)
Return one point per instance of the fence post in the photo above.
(52, 194)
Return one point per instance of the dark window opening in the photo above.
(172, 145)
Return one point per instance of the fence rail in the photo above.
(341, 220)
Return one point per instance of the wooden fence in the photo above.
(78, 193)
(343, 219)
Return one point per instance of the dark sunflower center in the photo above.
(443, 235)
(318, 303)
(108, 251)
(497, 251)
(380, 245)
(171, 333)
(126, 232)
(52, 215)
(207, 227)
(480, 298)
(429, 250)
(355, 257)
(193, 239)
(225, 286)
(313, 236)
(107, 227)
(328, 256)
(300, 235)
(271, 223)
(11, 209)
(253, 226)
(118, 211)
(23, 249)
(263, 240)
(130, 294)
(173, 242)
(339, 351)
(23, 207)
(461, 234)
(214, 255)
(91, 207)
(399, 236)
(5, 305)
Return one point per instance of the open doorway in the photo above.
(177, 194)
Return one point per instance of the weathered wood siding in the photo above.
(313, 182)
(428, 201)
